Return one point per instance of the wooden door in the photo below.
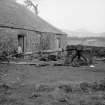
(21, 41)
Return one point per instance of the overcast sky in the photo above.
(74, 14)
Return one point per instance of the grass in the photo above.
(52, 85)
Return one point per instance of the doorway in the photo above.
(21, 41)
(58, 43)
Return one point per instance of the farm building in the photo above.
(28, 30)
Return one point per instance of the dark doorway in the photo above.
(58, 43)
(21, 41)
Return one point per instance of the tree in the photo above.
(30, 3)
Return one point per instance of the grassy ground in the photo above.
(50, 85)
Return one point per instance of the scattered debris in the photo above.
(58, 64)
(49, 58)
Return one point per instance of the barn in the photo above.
(24, 28)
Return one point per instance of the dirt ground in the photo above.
(30, 74)
(31, 85)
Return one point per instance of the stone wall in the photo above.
(33, 41)
(44, 41)
(8, 39)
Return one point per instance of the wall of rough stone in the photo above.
(48, 41)
(8, 39)
(44, 41)
(33, 41)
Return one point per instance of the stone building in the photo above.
(28, 30)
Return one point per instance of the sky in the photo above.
(74, 14)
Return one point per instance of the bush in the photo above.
(4, 56)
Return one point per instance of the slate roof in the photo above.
(16, 15)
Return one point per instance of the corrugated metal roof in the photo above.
(16, 15)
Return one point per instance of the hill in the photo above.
(83, 33)
(85, 37)
(91, 41)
